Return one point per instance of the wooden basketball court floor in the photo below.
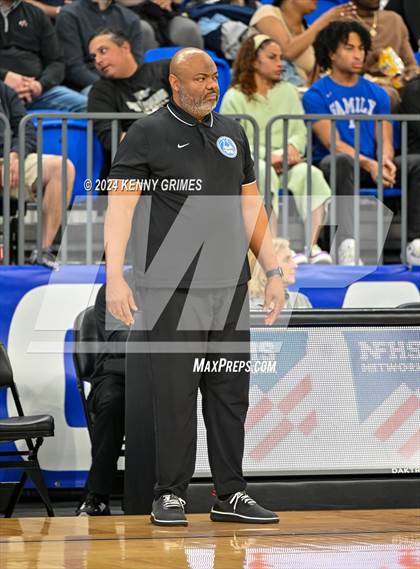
(350, 539)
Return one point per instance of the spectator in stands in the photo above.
(30, 59)
(410, 105)
(284, 22)
(410, 13)
(162, 25)
(50, 7)
(12, 107)
(387, 29)
(285, 259)
(125, 84)
(257, 90)
(77, 23)
(106, 406)
(342, 49)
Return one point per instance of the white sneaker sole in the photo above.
(217, 516)
(158, 522)
(320, 260)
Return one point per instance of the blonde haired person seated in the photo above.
(257, 90)
(259, 280)
(284, 22)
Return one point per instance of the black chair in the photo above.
(85, 331)
(27, 428)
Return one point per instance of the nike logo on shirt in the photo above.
(182, 145)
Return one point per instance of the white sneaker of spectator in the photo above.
(347, 253)
(300, 258)
(413, 252)
(47, 259)
(319, 257)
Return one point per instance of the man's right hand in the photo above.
(120, 300)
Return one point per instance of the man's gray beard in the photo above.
(193, 108)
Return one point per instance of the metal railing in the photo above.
(7, 137)
(64, 117)
(357, 119)
(115, 133)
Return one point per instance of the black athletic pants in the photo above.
(345, 187)
(106, 403)
(209, 320)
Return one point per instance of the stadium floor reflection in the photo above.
(374, 539)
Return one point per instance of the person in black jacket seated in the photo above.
(30, 59)
(77, 23)
(125, 85)
(410, 13)
(106, 405)
(410, 105)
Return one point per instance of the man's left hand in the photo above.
(35, 88)
(13, 169)
(390, 170)
(274, 299)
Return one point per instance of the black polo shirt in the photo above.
(188, 227)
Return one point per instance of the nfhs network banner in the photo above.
(337, 399)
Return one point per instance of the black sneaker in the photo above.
(168, 510)
(47, 259)
(93, 506)
(243, 509)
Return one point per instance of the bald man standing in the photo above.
(199, 212)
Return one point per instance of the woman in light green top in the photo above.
(257, 90)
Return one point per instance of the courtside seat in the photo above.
(367, 294)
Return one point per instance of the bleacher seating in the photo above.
(77, 140)
(222, 66)
(322, 6)
(241, 13)
(388, 192)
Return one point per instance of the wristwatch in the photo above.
(274, 273)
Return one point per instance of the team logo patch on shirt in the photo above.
(227, 147)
